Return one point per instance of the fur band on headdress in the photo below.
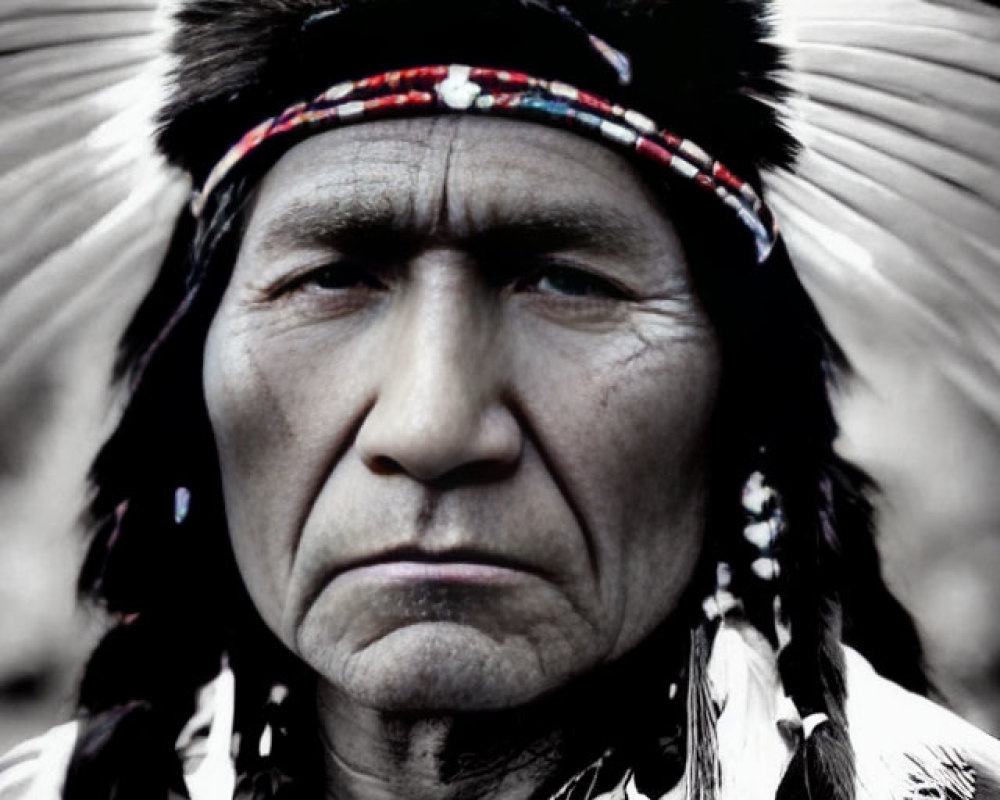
(699, 67)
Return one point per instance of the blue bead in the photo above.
(182, 504)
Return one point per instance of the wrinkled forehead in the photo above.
(456, 176)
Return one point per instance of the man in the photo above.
(448, 406)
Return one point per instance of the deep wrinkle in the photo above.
(454, 405)
(581, 521)
(300, 608)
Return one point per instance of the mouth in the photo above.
(456, 565)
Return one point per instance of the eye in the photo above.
(340, 275)
(566, 281)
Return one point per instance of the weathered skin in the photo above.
(467, 350)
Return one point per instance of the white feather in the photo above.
(753, 751)
(893, 214)
(210, 774)
(88, 210)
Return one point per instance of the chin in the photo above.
(442, 667)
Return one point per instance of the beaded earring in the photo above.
(765, 526)
(764, 530)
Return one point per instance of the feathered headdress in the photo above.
(890, 215)
(699, 67)
(707, 69)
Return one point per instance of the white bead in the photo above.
(767, 569)
(685, 168)
(762, 535)
(266, 742)
(560, 89)
(278, 695)
(756, 494)
(457, 91)
(640, 121)
(338, 91)
(618, 133)
(692, 150)
(353, 109)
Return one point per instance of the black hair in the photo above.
(174, 591)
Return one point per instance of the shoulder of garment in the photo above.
(907, 747)
(36, 769)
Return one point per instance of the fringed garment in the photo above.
(906, 747)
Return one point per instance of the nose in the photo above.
(441, 410)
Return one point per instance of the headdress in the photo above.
(707, 71)
(889, 216)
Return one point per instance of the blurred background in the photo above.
(893, 220)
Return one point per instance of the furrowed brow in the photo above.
(325, 223)
(590, 227)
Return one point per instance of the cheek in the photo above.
(628, 428)
(277, 416)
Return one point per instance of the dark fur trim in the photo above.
(700, 66)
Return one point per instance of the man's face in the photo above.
(461, 392)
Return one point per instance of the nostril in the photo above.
(486, 471)
(384, 465)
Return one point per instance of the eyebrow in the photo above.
(592, 226)
(307, 222)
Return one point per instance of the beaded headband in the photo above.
(485, 90)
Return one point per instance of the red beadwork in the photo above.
(504, 91)
(295, 110)
(508, 76)
(595, 102)
(255, 137)
(505, 100)
(283, 126)
(382, 102)
(726, 176)
(650, 149)
(672, 141)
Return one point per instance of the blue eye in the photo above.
(570, 282)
